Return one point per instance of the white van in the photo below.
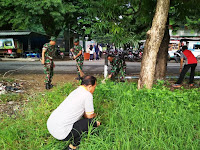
(194, 46)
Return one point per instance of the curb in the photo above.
(19, 59)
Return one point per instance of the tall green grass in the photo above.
(131, 119)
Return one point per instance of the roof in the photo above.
(6, 33)
(18, 33)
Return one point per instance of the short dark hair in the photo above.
(88, 80)
(184, 47)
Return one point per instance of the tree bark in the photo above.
(153, 41)
(67, 39)
(162, 56)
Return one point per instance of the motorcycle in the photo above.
(138, 55)
(130, 55)
(60, 54)
(177, 56)
(135, 55)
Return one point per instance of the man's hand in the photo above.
(42, 61)
(98, 123)
(71, 49)
(109, 76)
(180, 70)
(74, 57)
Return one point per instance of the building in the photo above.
(24, 41)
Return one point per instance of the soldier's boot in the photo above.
(122, 79)
(47, 86)
(50, 85)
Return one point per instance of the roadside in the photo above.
(12, 102)
(19, 59)
(31, 59)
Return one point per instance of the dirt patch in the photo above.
(35, 82)
(32, 84)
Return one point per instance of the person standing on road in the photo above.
(190, 62)
(91, 53)
(96, 47)
(78, 56)
(47, 60)
(100, 51)
(118, 65)
(66, 120)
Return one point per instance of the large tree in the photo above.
(47, 15)
(153, 41)
(120, 20)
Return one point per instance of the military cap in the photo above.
(53, 38)
(76, 40)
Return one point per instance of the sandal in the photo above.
(176, 85)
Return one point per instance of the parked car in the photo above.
(194, 46)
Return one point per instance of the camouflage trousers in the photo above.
(80, 64)
(48, 70)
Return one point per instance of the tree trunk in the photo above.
(67, 39)
(162, 57)
(154, 39)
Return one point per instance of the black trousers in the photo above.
(184, 71)
(78, 128)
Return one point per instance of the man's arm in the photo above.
(80, 52)
(181, 64)
(89, 116)
(43, 53)
(72, 49)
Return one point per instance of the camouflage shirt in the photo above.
(49, 50)
(76, 51)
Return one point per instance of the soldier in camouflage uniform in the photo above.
(78, 56)
(47, 59)
(118, 66)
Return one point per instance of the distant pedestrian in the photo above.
(100, 51)
(78, 56)
(190, 62)
(91, 53)
(97, 51)
(47, 60)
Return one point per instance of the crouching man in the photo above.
(66, 120)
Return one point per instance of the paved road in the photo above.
(64, 67)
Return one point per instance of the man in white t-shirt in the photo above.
(66, 121)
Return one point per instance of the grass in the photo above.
(197, 73)
(131, 119)
(11, 97)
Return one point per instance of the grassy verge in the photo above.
(131, 119)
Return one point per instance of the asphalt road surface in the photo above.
(69, 67)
